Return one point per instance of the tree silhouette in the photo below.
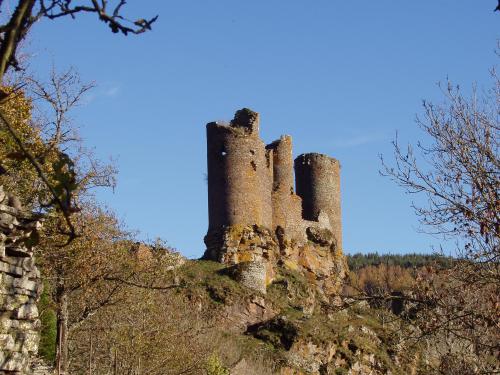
(27, 12)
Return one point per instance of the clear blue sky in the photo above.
(341, 77)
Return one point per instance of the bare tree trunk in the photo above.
(62, 332)
(16, 28)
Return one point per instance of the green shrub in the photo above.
(48, 333)
(215, 367)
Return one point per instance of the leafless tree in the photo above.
(458, 172)
(65, 169)
(54, 101)
(26, 13)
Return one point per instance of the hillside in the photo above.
(208, 319)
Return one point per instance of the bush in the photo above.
(215, 367)
(48, 332)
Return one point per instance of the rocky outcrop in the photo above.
(20, 287)
(327, 346)
(250, 251)
(239, 316)
(253, 254)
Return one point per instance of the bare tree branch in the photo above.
(28, 12)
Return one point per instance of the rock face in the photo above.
(20, 287)
(254, 252)
(257, 222)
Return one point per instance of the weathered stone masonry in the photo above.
(239, 174)
(256, 220)
(19, 287)
(318, 184)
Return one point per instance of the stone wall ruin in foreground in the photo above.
(20, 287)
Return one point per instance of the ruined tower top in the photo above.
(248, 120)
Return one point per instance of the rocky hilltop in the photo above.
(257, 222)
(275, 233)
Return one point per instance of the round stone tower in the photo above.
(239, 173)
(317, 179)
(283, 182)
(282, 164)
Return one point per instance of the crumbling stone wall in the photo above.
(257, 221)
(20, 287)
(318, 184)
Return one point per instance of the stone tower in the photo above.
(286, 204)
(318, 184)
(239, 173)
(256, 220)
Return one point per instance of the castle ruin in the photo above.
(257, 220)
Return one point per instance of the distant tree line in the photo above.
(414, 260)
